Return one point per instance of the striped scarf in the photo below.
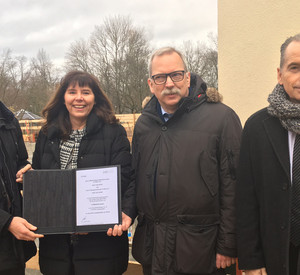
(69, 149)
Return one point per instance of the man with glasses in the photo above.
(185, 149)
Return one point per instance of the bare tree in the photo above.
(79, 56)
(42, 82)
(24, 84)
(6, 65)
(212, 61)
(14, 75)
(202, 59)
(117, 54)
(20, 75)
(135, 75)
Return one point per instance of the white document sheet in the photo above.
(97, 196)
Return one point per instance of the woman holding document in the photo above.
(81, 131)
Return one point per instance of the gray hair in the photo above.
(285, 45)
(163, 51)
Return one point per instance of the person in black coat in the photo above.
(81, 131)
(185, 149)
(266, 176)
(13, 228)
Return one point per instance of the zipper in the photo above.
(168, 210)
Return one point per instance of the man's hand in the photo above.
(126, 221)
(119, 228)
(22, 229)
(224, 261)
(261, 271)
(22, 171)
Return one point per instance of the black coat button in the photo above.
(164, 128)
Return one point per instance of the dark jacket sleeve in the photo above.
(248, 229)
(130, 207)
(21, 159)
(5, 219)
(36, 158)
(121, 155)
(228, 158)
(22, 152)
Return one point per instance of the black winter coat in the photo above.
(94, 253)
(11, 250)
(185, 184)
(263, 195)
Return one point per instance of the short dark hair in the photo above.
(56, 113)
(285, 45)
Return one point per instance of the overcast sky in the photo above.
(29, 25)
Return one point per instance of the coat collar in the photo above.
(6, 117)
(278, 137)
(197, 95)
(92, 125)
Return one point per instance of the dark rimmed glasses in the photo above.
(160, 79)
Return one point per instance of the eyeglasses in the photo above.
(160, 79)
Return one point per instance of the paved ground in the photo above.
(32, 272)
(133, 269)
(30, 149)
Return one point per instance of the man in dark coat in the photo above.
(13, 228)
(185, 152)
(267, 185)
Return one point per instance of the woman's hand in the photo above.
(224, 261)
(119, 228)
(19, 175)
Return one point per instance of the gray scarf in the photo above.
(287, 112)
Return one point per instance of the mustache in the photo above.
(170, 91)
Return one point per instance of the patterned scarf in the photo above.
(287, 112)
(69, 149)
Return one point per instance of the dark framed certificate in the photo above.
(72, 201)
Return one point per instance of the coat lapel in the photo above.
(278, 137)
(54, 145)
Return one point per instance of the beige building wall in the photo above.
(250, 34)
